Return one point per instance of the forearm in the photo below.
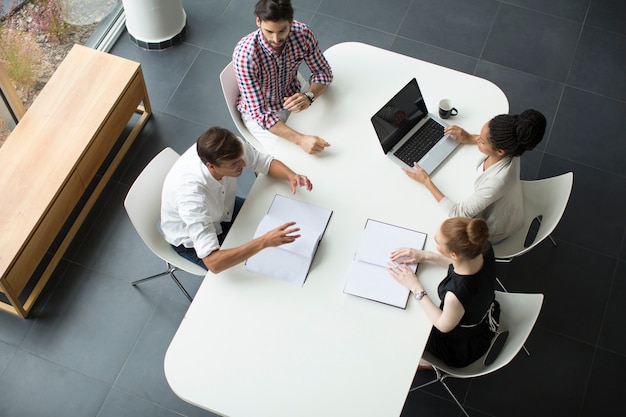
(282, 130)
(432, 188)
(222, 259)
(280, 171)
(317, 89)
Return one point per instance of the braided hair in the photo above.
(517, 133)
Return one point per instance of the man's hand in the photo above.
(298, 180)
(312, 144)
(296, 103)
(281, 235)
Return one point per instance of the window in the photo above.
(35, 36)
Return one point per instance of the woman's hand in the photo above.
(408, 255)
(405, 276)
(460, 135)
(418, 174)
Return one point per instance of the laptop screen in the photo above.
(399, 115)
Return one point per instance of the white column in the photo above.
(155, 24)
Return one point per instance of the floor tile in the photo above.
(234, 23)
(608, 14)
(83, 325)
(456, 25)
(558, 273)
(162, 70)
(605, 394)
(200, 16)
(162, 131)
(569, 9)
(311, 5)
(122, 404)
(532, 42)
(386, 16)
(612, 335)
(524, 91)
(599, 63)
(143, 374)
(7, 352)
(330, 31)
(594, 218)
(199, 96)
(434, 54)
(574, 136)
(32, 386)
(526, 386)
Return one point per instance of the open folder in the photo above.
(368, 276)
(290, 262)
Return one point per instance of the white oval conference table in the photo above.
(253, 346)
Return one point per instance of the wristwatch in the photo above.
(419, 295)
(310, 96)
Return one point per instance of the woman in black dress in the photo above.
(466, 320)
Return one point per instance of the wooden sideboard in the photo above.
(50, 165)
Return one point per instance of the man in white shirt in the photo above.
(199, 204)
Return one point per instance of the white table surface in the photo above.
(252, 346)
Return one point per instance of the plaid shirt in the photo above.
(265, 79)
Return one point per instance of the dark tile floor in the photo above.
(94, 345)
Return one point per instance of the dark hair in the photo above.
(218, 144)
(516, 134)
(464, 236)
(274, 10)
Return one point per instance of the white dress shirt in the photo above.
(497, 198)
(194, 203)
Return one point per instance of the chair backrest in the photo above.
(231, 92)
(546, 198)
(518, 315)
(143, 205)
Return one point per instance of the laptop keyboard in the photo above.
(420, 143)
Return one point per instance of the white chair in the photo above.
(143, 205)
(231, 93)
(544, 203)
(518, 315)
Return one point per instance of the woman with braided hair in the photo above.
(497, 196)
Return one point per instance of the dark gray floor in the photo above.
(94, 345)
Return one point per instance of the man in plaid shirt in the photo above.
(266, 65)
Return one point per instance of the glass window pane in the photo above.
(36, 35)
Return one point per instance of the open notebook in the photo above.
(368, 276)
(290, 262)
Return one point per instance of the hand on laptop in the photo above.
(460, 135)
(417, 173)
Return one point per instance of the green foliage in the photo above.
(47, 16)
(19, 55)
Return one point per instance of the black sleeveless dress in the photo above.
(471, 338)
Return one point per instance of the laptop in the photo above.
(409, 133)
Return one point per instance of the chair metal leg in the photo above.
(170, 272)
(180, 285)
(440, 377)
(134, 283)
(454, 398)
(552, 240)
